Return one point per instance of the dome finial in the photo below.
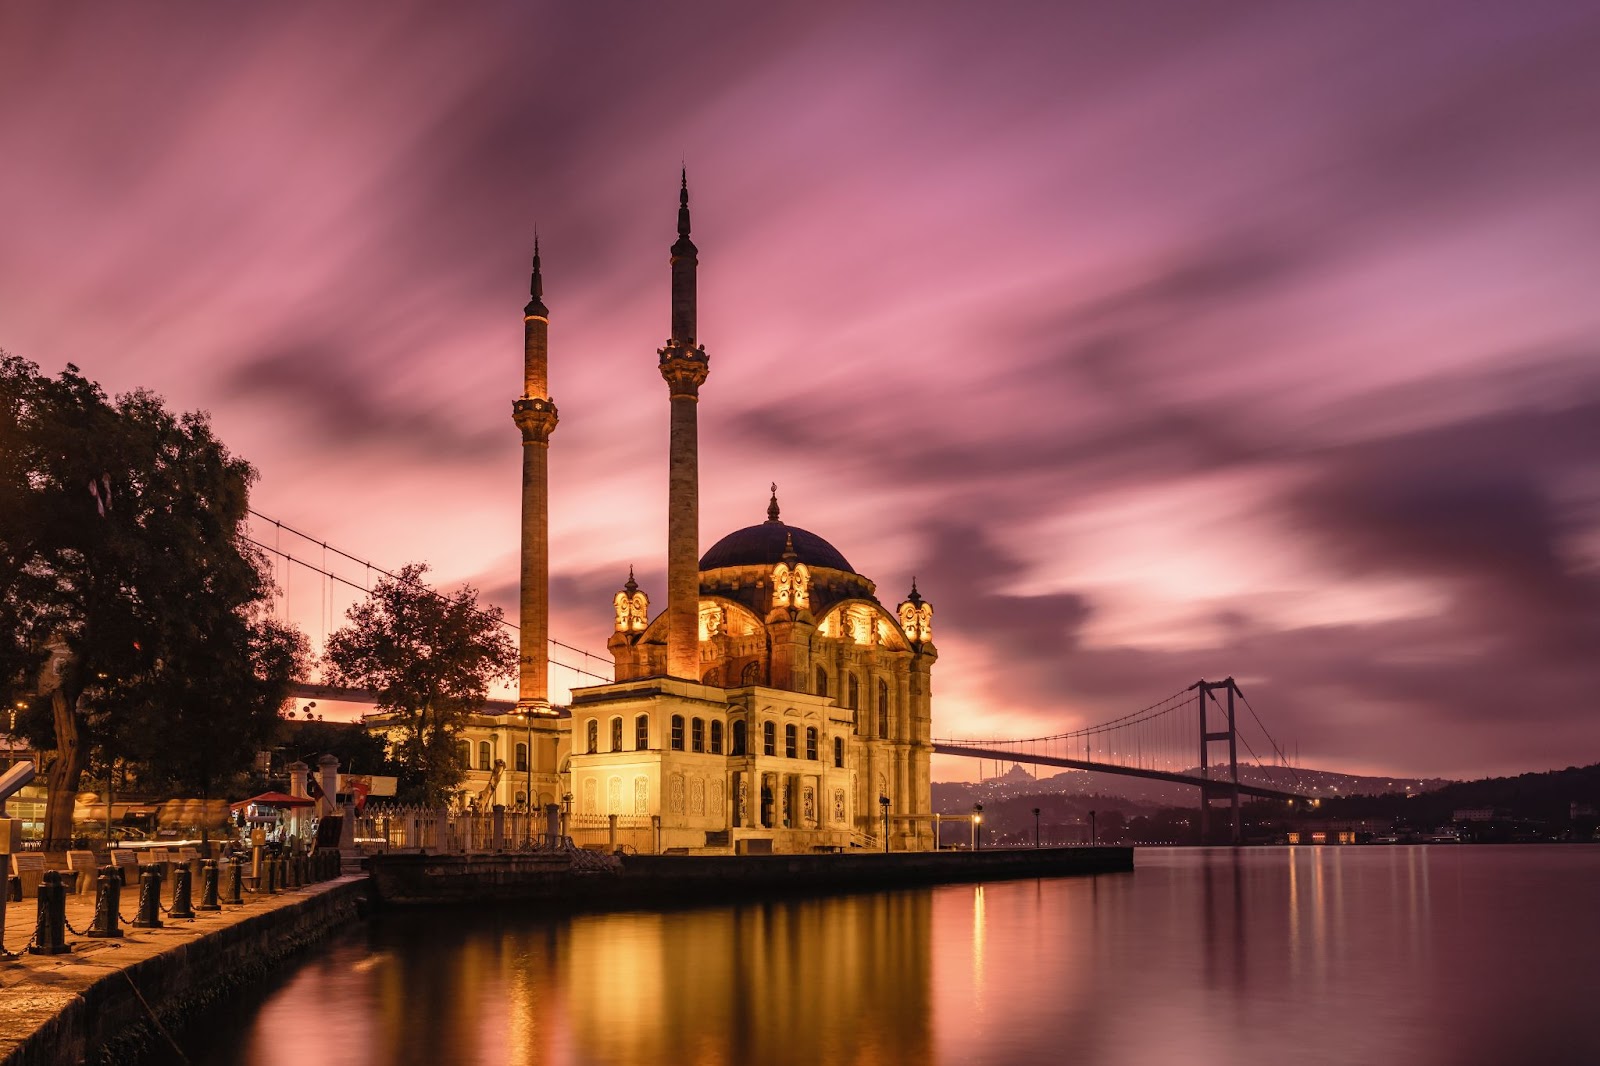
(772, 505)
(632, 586)
(789, 554)
(915, 597)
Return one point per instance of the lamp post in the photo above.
(1036, 827)
(977, 820)
(884, 802)
(1094, 832)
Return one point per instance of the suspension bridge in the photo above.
(1191, 737)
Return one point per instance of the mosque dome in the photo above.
(764, 545)
(768, 543)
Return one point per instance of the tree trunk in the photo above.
(65, 771)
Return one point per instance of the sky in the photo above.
(1156, 341)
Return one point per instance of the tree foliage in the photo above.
(131, 624)
(429, 658)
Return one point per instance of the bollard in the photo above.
(149, 916)
(50, 936)
(107, 899)
(235, 894)
(295, 878)
(182, 892)
(269, 870)
(208, 886)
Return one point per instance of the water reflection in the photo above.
(1445, 955)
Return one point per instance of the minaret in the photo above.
(684, 366)
(535, 415)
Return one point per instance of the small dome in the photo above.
(765, 544)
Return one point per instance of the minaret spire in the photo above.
(535, 416)
(684, 366)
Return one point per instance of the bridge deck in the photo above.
(1003, 755)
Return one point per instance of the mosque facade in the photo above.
(774, 704)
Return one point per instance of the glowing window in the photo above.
(641, 733)
(811, 743)
(592, 736)
(616, 734)
(522, 760)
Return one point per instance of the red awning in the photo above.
(273, 799)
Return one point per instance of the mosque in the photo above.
(775, 705)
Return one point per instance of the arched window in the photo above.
(855, 693)
(769, 739)
(838, 751)
(616, 734)
(464, 754)
(697, 734)
(592, 736)
(716, 738)
(883, 710)
(522, 760)
(641, 733)
(811, 743)
(789, 745)
(752, 673)
(485, 756)
(822, 681)
(677, 732)
(738, 738)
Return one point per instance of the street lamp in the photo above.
(1094, 833)
(1036, 827)
(977, 820)
(884, 801)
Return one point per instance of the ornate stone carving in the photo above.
(791, 586)
(536, 418)
(684, 369)
(641, 795)
(718, 802)
(677, 793)
(808, 803)
(697, 796)
(591, 796)
(916, 617)
(633, 607)
(838, 804)
(614, 796)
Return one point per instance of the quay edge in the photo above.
(402, 880)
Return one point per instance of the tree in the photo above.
(429, 658)
(130, 622)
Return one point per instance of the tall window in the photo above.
(697, 734)
(641, 733)
(752, 673)
(855, 693)
(789, 733)
(616, 734)
(592, 736)
(677, 732)
(716, 738)
(738, 737)
(838, 751)
(485, 756)
(883, 710)
(811, 743)
(464, 755)
(822, 681)
(769, 739)
(522, 758)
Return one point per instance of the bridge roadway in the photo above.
(1213, 785)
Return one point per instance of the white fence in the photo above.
(410, 828)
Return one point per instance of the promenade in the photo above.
(36, 991)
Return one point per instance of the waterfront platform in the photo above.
(653, 880)
(57, 1008)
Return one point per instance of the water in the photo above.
(1444, 955)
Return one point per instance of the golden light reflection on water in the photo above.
(1434, 957)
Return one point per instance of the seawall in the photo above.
(649, 880)
(109, 1000)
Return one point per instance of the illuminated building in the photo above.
(772, 705)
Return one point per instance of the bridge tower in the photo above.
(535, 415)
(1229, 790)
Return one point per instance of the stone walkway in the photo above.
(34, 988)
